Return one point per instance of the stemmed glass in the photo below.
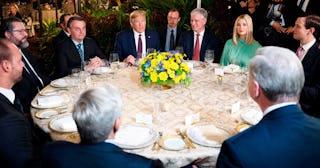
(179, 49)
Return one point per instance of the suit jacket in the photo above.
(59, 39)
(125, 43)
(67, 56)
(209, 41)
(285, 137)
(310, 95)
(163, 36)
(27, 88)
(16, 149)
(66, 155)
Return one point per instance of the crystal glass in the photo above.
(209, 56)
(179, 49)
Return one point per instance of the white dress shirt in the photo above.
(143, 38)
(8, 93)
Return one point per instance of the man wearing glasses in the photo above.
(33, 80)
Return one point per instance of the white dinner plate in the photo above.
(232, 68)
(207, 135)
(135, 136)
(172, 142)
(102, 70)
(63, 123)
(64, 82)
(52, 101)
(252, 116)
(49, 91)
(47, 113)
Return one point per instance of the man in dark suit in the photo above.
(132, 44)
(196, 41)
(33, 80)
(286, 136)
(309, 7)
(307, 30)
(168, 41)
(16, 148)
(97, 116)
(63, 35)
(78, 49)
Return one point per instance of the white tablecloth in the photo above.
(213, 101)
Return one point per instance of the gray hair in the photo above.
(95, 113)
(201, 11)
(279, 73)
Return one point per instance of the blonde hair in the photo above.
(15, 6)
(137, 13)
(249, 37)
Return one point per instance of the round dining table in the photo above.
(210, 99)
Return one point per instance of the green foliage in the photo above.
(50, 30)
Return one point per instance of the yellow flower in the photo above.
(154, 77)
(164, 68)
(163, 76)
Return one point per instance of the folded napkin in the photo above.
(68, 125)
(50, 101)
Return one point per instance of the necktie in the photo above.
(301, 4)
(196, 51)
(171, 40)
(299, 52)
(80, 52)
(32, 73)
(139, 46)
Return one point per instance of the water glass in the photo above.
(209, 56)
(114, 57)
(150, 50)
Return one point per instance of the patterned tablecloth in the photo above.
(206, 96)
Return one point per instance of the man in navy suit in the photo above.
(307, 30)
(97, 116)
(63, 35)
(78, 49)
(16, 149)
(206, 40)
(286, 136)
(133, 44)
(168, 41)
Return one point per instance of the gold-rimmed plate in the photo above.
(207, 135)
(63, 123)
(242, 127)
(135, 136)
(172, 142)
(47, 113)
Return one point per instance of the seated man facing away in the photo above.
(286, 136)
(97, 116)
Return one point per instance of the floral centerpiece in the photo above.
(164, 68)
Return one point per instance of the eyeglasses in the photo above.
(20, 31)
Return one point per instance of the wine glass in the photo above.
(179, 49)
(150, 50)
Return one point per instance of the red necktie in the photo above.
(299, 52)
(196, 51)
(139, 46)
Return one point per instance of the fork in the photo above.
(156, 145)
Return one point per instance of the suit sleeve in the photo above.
(98, 51)
(118, 48)
(61, 61)
(16, 141)
(228, 156)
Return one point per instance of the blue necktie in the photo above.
(80, 52)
